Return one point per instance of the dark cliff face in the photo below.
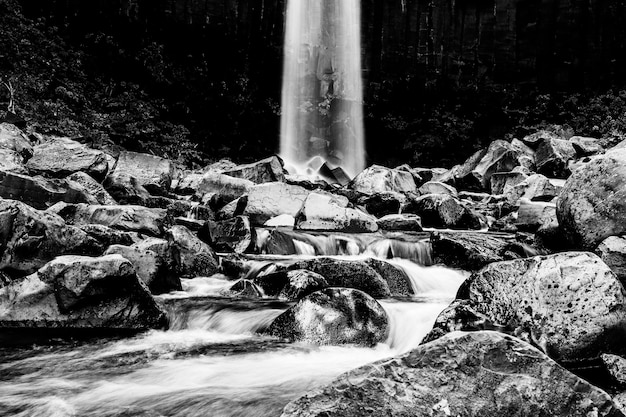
(435, 70)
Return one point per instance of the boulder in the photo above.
(42, 193)
(244, 288)
(107, 236)
(382, 204)
(535, 188)
(30, 238)
(81, 292)
(592, 204)
(14, 139)
(443, 211)
(94, 187)
(291, 285)
(502, 182)
(222, 188)
(333, 316)
(325, 212)
(396, 222)
(133, 169)
(616, 367)
(191, 256)
(60, 157)
(348, 274)
(534, 140)
(612, 251)
(586, 146)
(399, 283)
(435, 187)
(569, 304)
(468, 251)
(464, 374)
(11, 161)
(265, 201)
(553, 157)
(232, 235)
(534, 214)
(475, 174)
(266, 170)
(379, 179)
(150, 221)
(149, 267)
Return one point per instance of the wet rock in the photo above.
(29, 238)
(435, 187)
(443, 211)
(466, 250)
(333, 316)
(278, 243)
(94, 187)
(233, 235)
(612, 251)
(553, 157)
(464, 374)
(535, 188)
(334, 175)
(324, 212)
(245, 288)
(395, 222)
(291, 285)
(150, 221)
(592, 204)
(399, 283)
(11, 161)
(192, 257)
(42, 193)
(149, 267)
(379, 179)
(265, 201)
(14, 139)
(570, 304)
(266, 170)
(60, 157)
(151, 172)
(348, 274)
(81, 292)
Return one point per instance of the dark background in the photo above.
(200, 79)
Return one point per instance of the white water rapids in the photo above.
(212, 362)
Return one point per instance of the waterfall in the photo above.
(322, 97)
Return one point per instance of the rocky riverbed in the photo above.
(101, 246)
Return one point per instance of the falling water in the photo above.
(322, 114)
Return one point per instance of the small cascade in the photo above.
(432, 281)
(419, 252)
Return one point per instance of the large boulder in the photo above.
(443, 211)
(381, 204)
(265, 201)
(150, 268)
(150, 221)
(60, 157)
(232, 235)
(553, 157)
(503, 182)
(291, 285)
(535, 188)
(40, 192)
(266, 170)
(94, 187)
(349, 274)
(333, 316)
(192, 257)
(534, 214)
(379, 179)
(30, 238)
(612, 251)
(151, 172)
(325, 212)
(398, 281)
(81, 292)
(405, 221)
(221, 189)
(468, 251)
(464, 374)
(14, 139)
(475, 174)
(592, 204)
(570, 304)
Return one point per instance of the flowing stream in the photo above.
(212, 362)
